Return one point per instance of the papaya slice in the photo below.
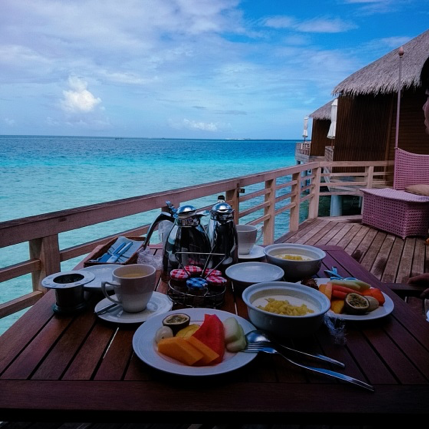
(209, 355)
(180, 349)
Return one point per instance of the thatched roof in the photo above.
(381, 76)
(323, 112)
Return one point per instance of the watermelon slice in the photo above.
(212, 334)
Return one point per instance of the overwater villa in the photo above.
(368, 126)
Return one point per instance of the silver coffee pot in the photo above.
(223, 235)
(187, 242)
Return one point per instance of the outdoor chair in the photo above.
(404, 209)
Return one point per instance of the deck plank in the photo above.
(360, 252)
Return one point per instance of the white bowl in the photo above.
(284, 325)
(245, 274)
(295, 270)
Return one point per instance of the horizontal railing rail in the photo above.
(260, 198)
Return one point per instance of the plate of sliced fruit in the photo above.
(355, 299)
(194, 342)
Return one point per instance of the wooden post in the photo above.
(295, 199)
(232, 196)
(270, 211)
(313, 207)
(48, 251)
(369, 176)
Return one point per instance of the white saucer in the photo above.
(101, 273)
(256, 253)
(158, 304)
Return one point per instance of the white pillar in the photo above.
(336, 205)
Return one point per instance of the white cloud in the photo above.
(78, 99)
(373, 7)
(315, 25)
(153, 60)
(9, 122)
(325, 25)
(198, 125)
(393, 42)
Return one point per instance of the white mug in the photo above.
(247, 236)
(133, 286)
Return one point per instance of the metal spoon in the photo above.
(260, 337)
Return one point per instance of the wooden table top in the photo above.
(69, 368)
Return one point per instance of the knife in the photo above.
(107, 256)
(119, 252)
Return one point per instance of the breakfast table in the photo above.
(81, 367)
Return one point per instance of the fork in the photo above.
(259, 337)
(255, 348)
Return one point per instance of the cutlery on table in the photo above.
(119, 252)
(333, 274)
(106, 309)
(255, 348)
(107, 256)
(259, 337)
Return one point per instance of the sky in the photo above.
(210, 69)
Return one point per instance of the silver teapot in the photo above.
(187, 242)
(223, 235)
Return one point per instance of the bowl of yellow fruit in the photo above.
(285, 309)
(298, 261)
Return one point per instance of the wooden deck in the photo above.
(388, 257)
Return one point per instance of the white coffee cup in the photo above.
(247, 236)
(133, 286)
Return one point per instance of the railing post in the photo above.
(313, 207)
(233, 198)
(270, 211)
(369, 176)
(48, 251)
(295, 199)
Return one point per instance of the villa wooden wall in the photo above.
(366, 126)
(318, 137)
(363, 125)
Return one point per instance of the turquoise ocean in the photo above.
(41, 174)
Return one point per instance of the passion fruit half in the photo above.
(373, 303)
(176, 321)
(356, 304)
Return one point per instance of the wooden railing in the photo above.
(259, 198)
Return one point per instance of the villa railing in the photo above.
(302, 148)
(292, 194)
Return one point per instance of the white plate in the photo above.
(381, 311)
(254, 272)
(159, 304)
(256, 253)
(145, 347)
(103, 273)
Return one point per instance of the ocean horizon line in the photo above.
(148, 138)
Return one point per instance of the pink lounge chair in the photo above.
(395, 210)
